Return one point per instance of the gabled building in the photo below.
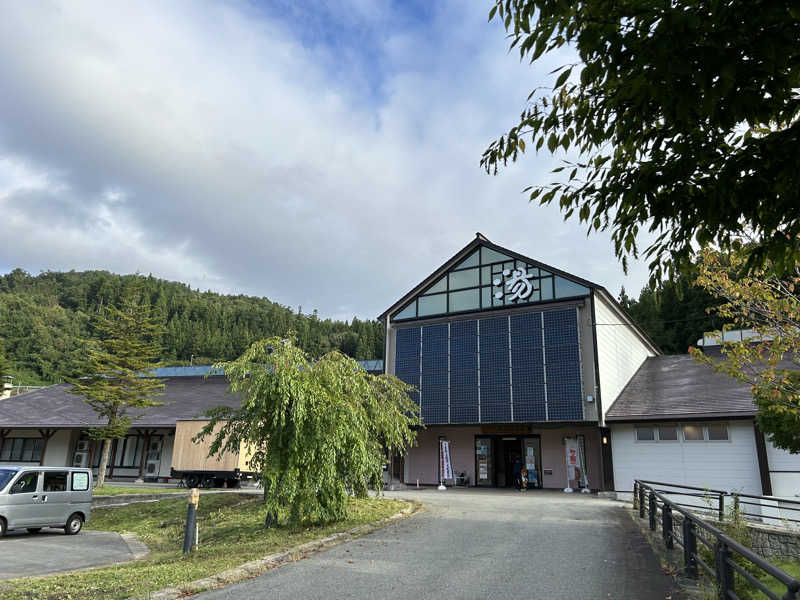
(50, 427)
(678, 421)
(513, 361)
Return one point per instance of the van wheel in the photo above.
(34, 529)
(3, 527)
(74, 524)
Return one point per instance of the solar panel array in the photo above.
(520, 368)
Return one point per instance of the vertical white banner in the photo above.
(573, 459)
(445, 467)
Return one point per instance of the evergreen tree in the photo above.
(113, 386)
(43, 319)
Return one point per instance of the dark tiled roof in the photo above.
(54, 407)
(668, 387)
(671, 387)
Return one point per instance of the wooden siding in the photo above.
(188, 455)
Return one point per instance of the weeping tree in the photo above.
(126, 347)
(318, 431)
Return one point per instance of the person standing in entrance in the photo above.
(517, 471)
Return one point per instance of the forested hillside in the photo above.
(675, 316)
(44, 317)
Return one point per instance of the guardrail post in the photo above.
(721, 508)
(653, 510)
(641, 501)
(689, 548)
(791, 592)
(666, 525)
(635, 495)
(725, 578)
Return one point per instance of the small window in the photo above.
(464, 279)
(22, 449)
(718, 432)
(464, 300)
(645, 434)
(55, 481)
(667, 433)
(80, 481)
(432, 305)
(26, 484)
(409, 312)
(693, 433)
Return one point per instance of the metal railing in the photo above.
(653, 503)
(718, 501)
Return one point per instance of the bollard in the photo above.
(191, 521)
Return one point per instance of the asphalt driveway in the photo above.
(481, 544)
(50, 551)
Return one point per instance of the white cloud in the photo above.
(213, 145)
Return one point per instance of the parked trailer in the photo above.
(191, 463)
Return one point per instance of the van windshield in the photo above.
(5, 477)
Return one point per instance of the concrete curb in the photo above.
(671, 560)
(260, 566)
(137, 548)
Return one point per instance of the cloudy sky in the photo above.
(321, 154)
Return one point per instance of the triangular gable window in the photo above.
(489, 279)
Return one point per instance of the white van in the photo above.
(36, 497)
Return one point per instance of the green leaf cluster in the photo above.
(683, 115)
(318, 430)
(768, 304)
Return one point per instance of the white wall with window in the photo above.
(25, 446)
(714, 454)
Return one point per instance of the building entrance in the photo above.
(499, 457)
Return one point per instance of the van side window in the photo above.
(55, 481)
(80, 481)
(26, 484)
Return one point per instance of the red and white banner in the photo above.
(571, 445)
(445, 468)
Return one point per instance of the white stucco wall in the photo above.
(784, 471)
(728, 465)
(620, 349)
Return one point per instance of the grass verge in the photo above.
(792, 567)
(231, 533)
(118, 490)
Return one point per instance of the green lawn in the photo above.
(792, 567)
(118, 490)
(231, 533)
